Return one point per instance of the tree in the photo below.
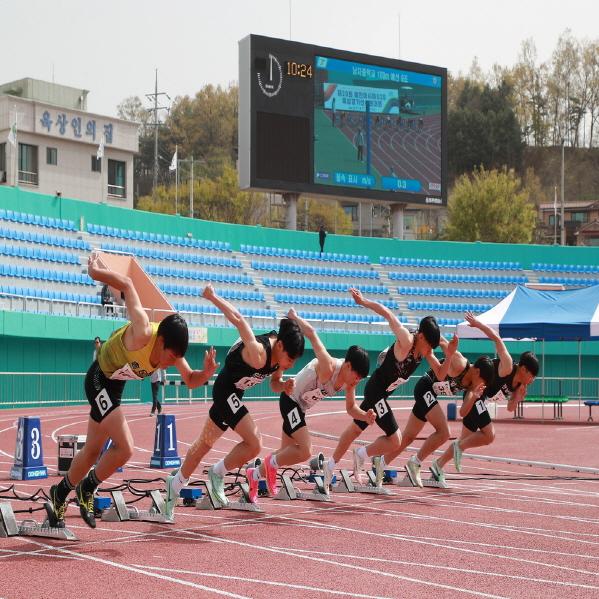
(327, 213)
(490, 206)
(483, 129)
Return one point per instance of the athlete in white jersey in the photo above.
(324, 376)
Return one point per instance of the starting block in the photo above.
(9, 527)
(210, 502)
(288, 492)
(121, 512)
(346, 485)
(406, 481)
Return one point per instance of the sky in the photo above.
(113, 47)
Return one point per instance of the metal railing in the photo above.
(28, 177)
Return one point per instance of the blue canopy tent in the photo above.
(571, 315)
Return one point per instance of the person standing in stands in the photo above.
(322, 235)
(132, 352)
(157, 379)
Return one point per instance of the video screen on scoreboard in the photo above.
(376, 128)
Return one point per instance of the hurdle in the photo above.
(9, 527)
(121, 512)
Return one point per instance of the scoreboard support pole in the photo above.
(291, 203)
(397, 220)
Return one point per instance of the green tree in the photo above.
(491, 206)
(323, 212)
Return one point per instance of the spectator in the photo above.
(322, 234)
(157, 378)
(97, 346)
(106, 299)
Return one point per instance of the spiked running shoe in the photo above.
(55, 509)
(252, 484)
(379, 469)
(271, 476)
(457, 455)
(86, 505)
(413, 470)
(218, 487)
(358, 467)
(437, 472)
(171, 496)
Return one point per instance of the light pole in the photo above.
(562, 223)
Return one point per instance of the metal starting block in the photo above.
(346, 485)
(288, 492)
(9, 527)
(426, 482)
(210, 502)
(121, 512)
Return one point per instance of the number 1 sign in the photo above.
(165, 443)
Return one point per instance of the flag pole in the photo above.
(176, 180)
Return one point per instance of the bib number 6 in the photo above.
(103, 402)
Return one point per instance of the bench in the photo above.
(557, 402)
(591, 403)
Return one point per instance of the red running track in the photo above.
(499, 531)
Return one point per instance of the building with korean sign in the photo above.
(50, 143)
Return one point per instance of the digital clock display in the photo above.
(299, 69)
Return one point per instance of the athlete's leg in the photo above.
(210, 434)
(87, 456)
(408, 435)
(448, 453)
(115, 427)
(484, 436)
(348, 436)
(295, 449)
(437, 418)
(248, 448)
(384, 445)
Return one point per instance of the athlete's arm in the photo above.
(467, 404)
(505, 360)
(279, 386)
(401, 333)
(197, 378)
(439, 369)
(326, 365)
(354, 410)
(140, 327)
(253, 351)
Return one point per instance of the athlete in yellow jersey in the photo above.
(132, 352)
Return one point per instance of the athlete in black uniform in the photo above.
(251, 360)
(462, 375)
(510, 383)
(395, 366)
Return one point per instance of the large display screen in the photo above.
(321, 121)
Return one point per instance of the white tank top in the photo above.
(308, 390)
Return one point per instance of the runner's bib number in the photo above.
(294, 418)
(442, 388)
(125, 374)
(234, 403)
(249, 381)
(103, 402)
(481, 406)
(381, 408)
(429, 398)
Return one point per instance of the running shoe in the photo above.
(271, 476)
(358, 467)
(457, 455)
(171, 496)
(55, 509)
(218, 487)
(413, 470)
(86, 505)
(252, 484)
(437, 472)
(379, 469)
(328, 476)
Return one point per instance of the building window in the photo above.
(579, 217)
(96, 164)
(3, 163)
(28, 172)
(551, 220)
(351, 211)
(52, 156)
(117, 178)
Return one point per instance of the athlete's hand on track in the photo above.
(288, 386)
(357, 296)
(210, 363)
(371, 416)
(208, 292)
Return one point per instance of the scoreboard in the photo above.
(320, 121)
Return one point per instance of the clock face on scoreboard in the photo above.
(328, 122)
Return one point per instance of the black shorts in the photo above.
(293, 416)
(478, 417)
(426, 398)
(373, 399)
(103, 394)
(227, 409)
